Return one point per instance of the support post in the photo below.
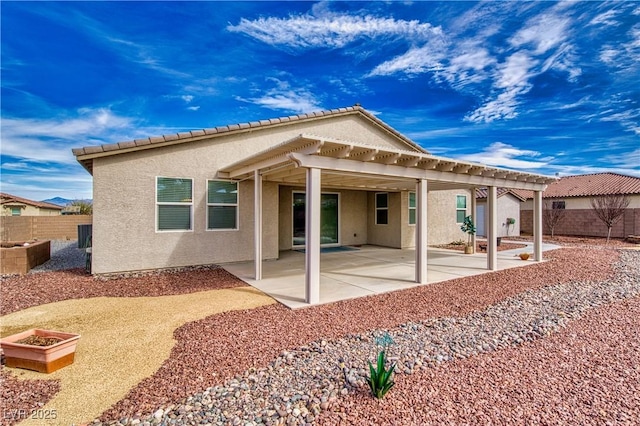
(312, 237)
(492, 232)
(257, 224)
(473, 217)
(421, 231)
(537, 226)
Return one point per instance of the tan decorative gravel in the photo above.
(123, 341)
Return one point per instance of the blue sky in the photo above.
(537, 86)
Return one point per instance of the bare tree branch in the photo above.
(609, 209)
(552, 216)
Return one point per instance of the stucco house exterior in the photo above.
(509, 202)
(248, 191)
(574, 194)
(17, 206)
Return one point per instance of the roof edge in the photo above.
(86, 154)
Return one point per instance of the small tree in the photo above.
(609, 209)
(469, 228)
(85, 206)
(552, 215)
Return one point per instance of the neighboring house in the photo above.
(574, 194)
(17, 206)
(509, 202)
(339, 177)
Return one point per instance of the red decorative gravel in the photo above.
(222, 346)
(240, 340)
(19, 398)
(21, 292)
(587, 374)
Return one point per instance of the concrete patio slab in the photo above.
(366, 271)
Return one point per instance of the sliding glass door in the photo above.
(329, 223)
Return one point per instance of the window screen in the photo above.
(222, 204)
(174, 198)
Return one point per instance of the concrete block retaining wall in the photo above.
(585, 223)
(24, 228)
(20, 259)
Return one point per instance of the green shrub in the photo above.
(380, 380)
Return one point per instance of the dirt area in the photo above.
(123, 340)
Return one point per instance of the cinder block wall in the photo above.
(19, 260)
(585, 223)
(16, 228)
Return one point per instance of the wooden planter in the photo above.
(468, 249)
(44, 359)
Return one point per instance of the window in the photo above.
(382, 208)
(558, 205)
(15, 211)
(222, 204)
(461, 208)
(412, 208)
(174, 198)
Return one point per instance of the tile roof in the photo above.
(8, 198)
(85, 154)
(590, 185)
(481, 193)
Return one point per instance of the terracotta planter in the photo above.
(44, 359)
(524, 256)
(468, 249)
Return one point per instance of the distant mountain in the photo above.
(62, 201)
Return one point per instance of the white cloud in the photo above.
(414, 61)
(193, 108)
(605, 18)
(51, 139)
(544, 31)
(187, 98)
(330, 29)
(512, 78)
(284, 97)
(503, 155)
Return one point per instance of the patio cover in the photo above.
(316, 161)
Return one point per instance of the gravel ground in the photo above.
(307, 382)
(64, 255)
(21, 292)
(568, 241)
(235, 350)
(234, 366)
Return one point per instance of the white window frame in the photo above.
(376, 208)
(236, 205)
(14, 209)
(414, 208)
(159, 203)
(466, 204)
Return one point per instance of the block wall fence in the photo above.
(21, 228)
(585, 223)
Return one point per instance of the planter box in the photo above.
(16, 258)
(44, 359)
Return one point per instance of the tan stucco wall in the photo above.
(508, 206)
(581, 203)
(441, 216)
(352, 216)
(27, 210)
(389, 235)
(124, 229)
